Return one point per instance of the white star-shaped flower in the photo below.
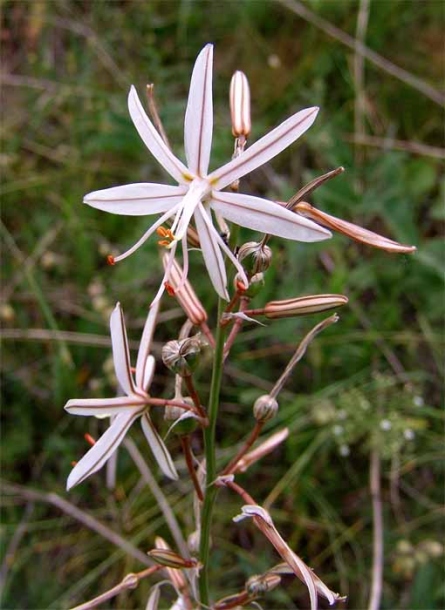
(124, 410)
(198, 192)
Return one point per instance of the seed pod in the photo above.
(258, 585)
(259, 256)
(265, 408)
(181, 356)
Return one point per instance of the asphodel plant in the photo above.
(202, 211)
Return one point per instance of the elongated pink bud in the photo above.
(240, 105)
(170, 559)
(351, 230)
(183, 291)
(303, 305)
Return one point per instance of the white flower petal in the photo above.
(144, 366)
(101, 451)
(148, 372)
(210, 250)
(153, 598)
(140, 199)
(266, 148)
(154, 142)
(158, 448)
(102, 406)
(265, 216)
(121, 353)
(198, 124)
(198, 189)
(228, 252)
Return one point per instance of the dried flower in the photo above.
(263, 449)
(199, 193)
(264, 523)
(351, 230)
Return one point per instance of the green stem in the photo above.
(209, 446)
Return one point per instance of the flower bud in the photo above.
(260, 256)
(181, 355)
(303, 305)
(185, 294)
(170, 559)
(240, 105)
(265, 408)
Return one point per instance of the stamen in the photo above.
(148, 233)
(168, 267)
(167, 234)
(185, 254)
(89, 439)
(169, 288)
(111, 260)
(241, 288)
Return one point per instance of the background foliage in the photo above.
(371, 383)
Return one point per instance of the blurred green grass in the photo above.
(67, 67)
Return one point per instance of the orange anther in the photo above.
(89, 439)
(110, 259)
(240, 287)
(169, 288)
(167, 234)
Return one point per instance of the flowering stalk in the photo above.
(200, 212)
(210, 458)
